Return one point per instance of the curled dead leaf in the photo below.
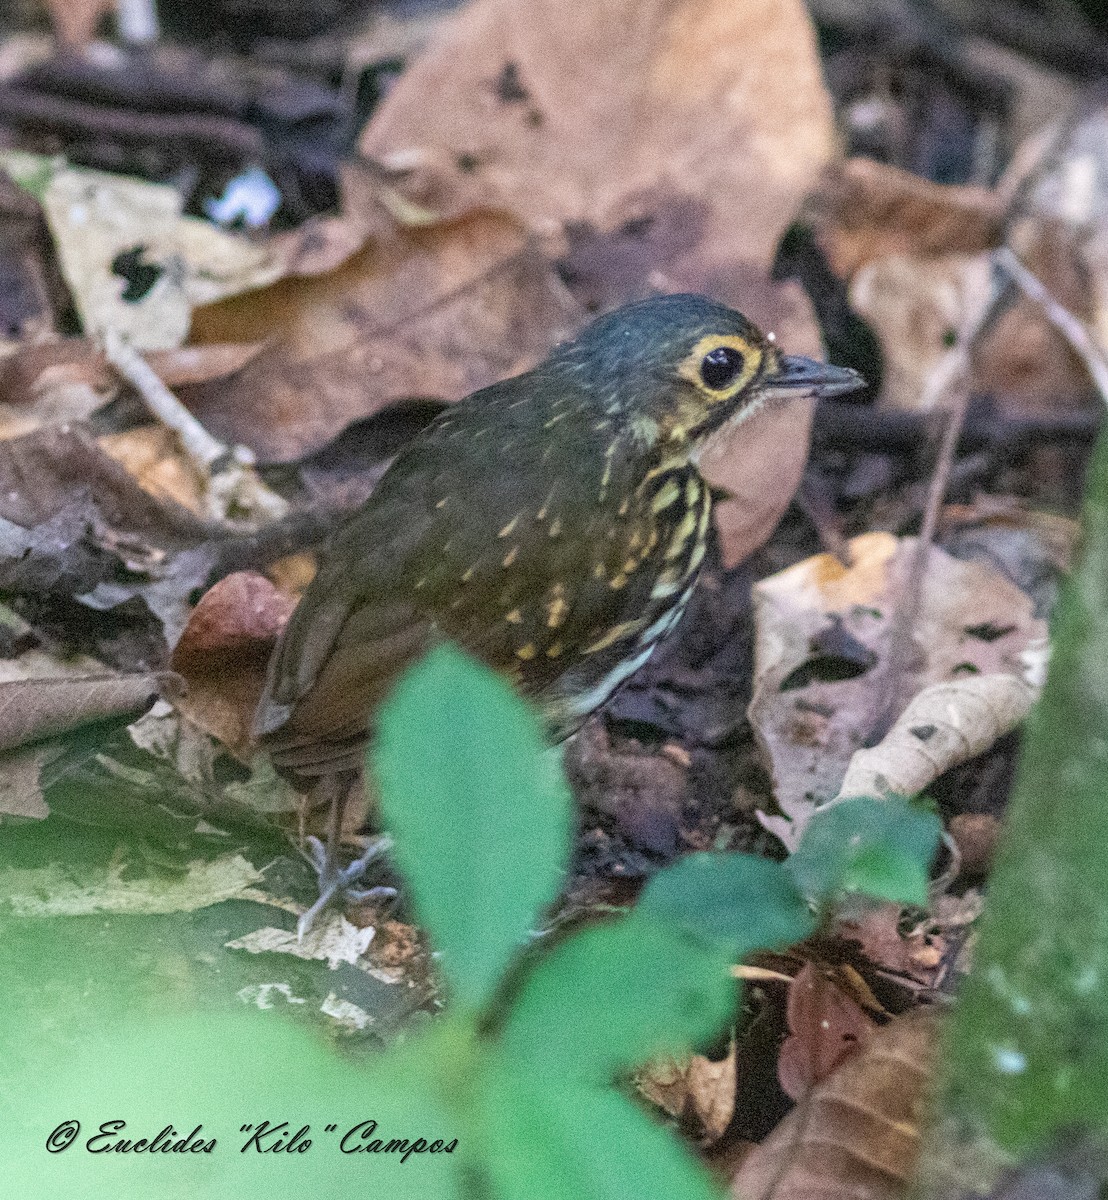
(34, 708)
(223, 652)
(698, 1091)
(944, 725)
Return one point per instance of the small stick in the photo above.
(228, 472)
(1071, 327)
(948, 381)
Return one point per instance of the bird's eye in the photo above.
(721, 366)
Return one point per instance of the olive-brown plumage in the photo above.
(552, 524)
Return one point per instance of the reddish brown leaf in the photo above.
(223, 652)
(825, 1027)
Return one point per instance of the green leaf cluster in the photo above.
(543, 1035)
(523, 1072)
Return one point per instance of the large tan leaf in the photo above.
(433, 312)
(559, 112)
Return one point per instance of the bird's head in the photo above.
(673, 370)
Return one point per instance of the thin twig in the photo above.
(947, 386)
(1071, 327)
(232, 485)
(23, 108)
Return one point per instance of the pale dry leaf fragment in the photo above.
(75, 22)
(944, 725)
(698, 1091)
(919, 308)
(21, 793)
(334, 941)
(346, 1013)
(134, 264)
(822, 629)
(56, 890)
(859, 1133)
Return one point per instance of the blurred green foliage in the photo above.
(514, 1094)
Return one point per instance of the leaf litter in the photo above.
(529, 167)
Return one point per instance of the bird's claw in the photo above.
(334, 880)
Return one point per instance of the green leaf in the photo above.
(1029, 1043)
(735, 902)
(220, 1072)
(480, 811)
(549, 1140)
(615, 995)
(882, 847)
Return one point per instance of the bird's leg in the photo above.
(334, 790)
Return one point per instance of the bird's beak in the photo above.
(796, 376)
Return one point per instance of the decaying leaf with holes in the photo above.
(946, 724)
(134, 264)
(822, 633)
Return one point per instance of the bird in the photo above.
(553, 525)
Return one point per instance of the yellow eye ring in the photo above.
(721, 364)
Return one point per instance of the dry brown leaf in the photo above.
(41, 697)
(429, 313)
(557, 113)
(223, 652)
(826, 1027)
(866, 210)
(152, 456)
(944, 725)
(858, 1135)
(34, 708)
(822, 628)
(698, 1091)
(43, 473)
(916, 255)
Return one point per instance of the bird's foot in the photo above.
(335, 880)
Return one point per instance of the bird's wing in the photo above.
(526, 578)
